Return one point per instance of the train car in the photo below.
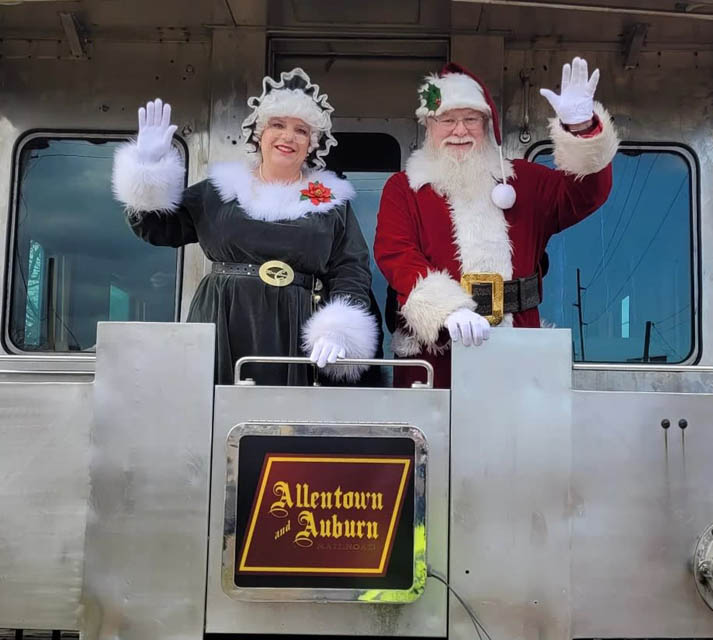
(561, 488)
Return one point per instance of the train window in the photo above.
(624, 279)
(74, 260)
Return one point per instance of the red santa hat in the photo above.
(457, 88)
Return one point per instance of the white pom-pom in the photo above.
(503, 196)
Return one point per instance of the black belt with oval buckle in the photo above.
(274, 273)
(495, 297)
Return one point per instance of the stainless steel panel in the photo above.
(44, 488)
(640, 497)
(425, 409)
(510, 467)
(146, 543)
(689, 379)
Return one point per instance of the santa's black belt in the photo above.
(274, 272)
(495, 297)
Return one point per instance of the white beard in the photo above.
(469, 175)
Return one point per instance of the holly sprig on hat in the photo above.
(431, 97)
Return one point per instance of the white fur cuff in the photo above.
(153, 186)
(430, 302)
(350, 324)
(584, 156)
(405, 345)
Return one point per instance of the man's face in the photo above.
(458, 131)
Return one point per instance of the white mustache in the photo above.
(458, 140)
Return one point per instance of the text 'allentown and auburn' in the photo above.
(333, 526)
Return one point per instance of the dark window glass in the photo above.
(74, 259)
(635, 258)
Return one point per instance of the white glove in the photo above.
(326, 351)
(155, 131)
(468, 326)
(575, 104)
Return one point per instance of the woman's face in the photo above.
(284, 143)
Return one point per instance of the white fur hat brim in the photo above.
(457, 91)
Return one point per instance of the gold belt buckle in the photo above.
(276, 273)
(497, 292)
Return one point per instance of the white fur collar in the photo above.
(420, 170)
(272, 202)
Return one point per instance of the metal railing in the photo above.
(340, 362)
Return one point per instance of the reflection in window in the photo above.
(75, 260)
(635, 259)
(369, 186)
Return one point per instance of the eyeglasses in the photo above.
(448, 123)
(301, 133)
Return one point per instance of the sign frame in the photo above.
(331, 430)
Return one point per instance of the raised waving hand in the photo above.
(575, 103)
(155, 131)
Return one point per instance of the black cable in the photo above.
(675, 313)
(622, 209)
(626, 227)
(471, 614)
(685, 321)
(615, 297)
(667, 343)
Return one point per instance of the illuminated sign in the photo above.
(325, 512)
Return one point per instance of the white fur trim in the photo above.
(351, 325)
(147, 186)
(584, 156)
(481, 236)
(458, 91)
(430, 302)
(275, 201)
(404, 344)
(419, 169)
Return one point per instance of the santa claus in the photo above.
(461, 232)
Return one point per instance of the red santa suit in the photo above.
(426, 242)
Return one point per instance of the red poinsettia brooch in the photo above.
(317, 193)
